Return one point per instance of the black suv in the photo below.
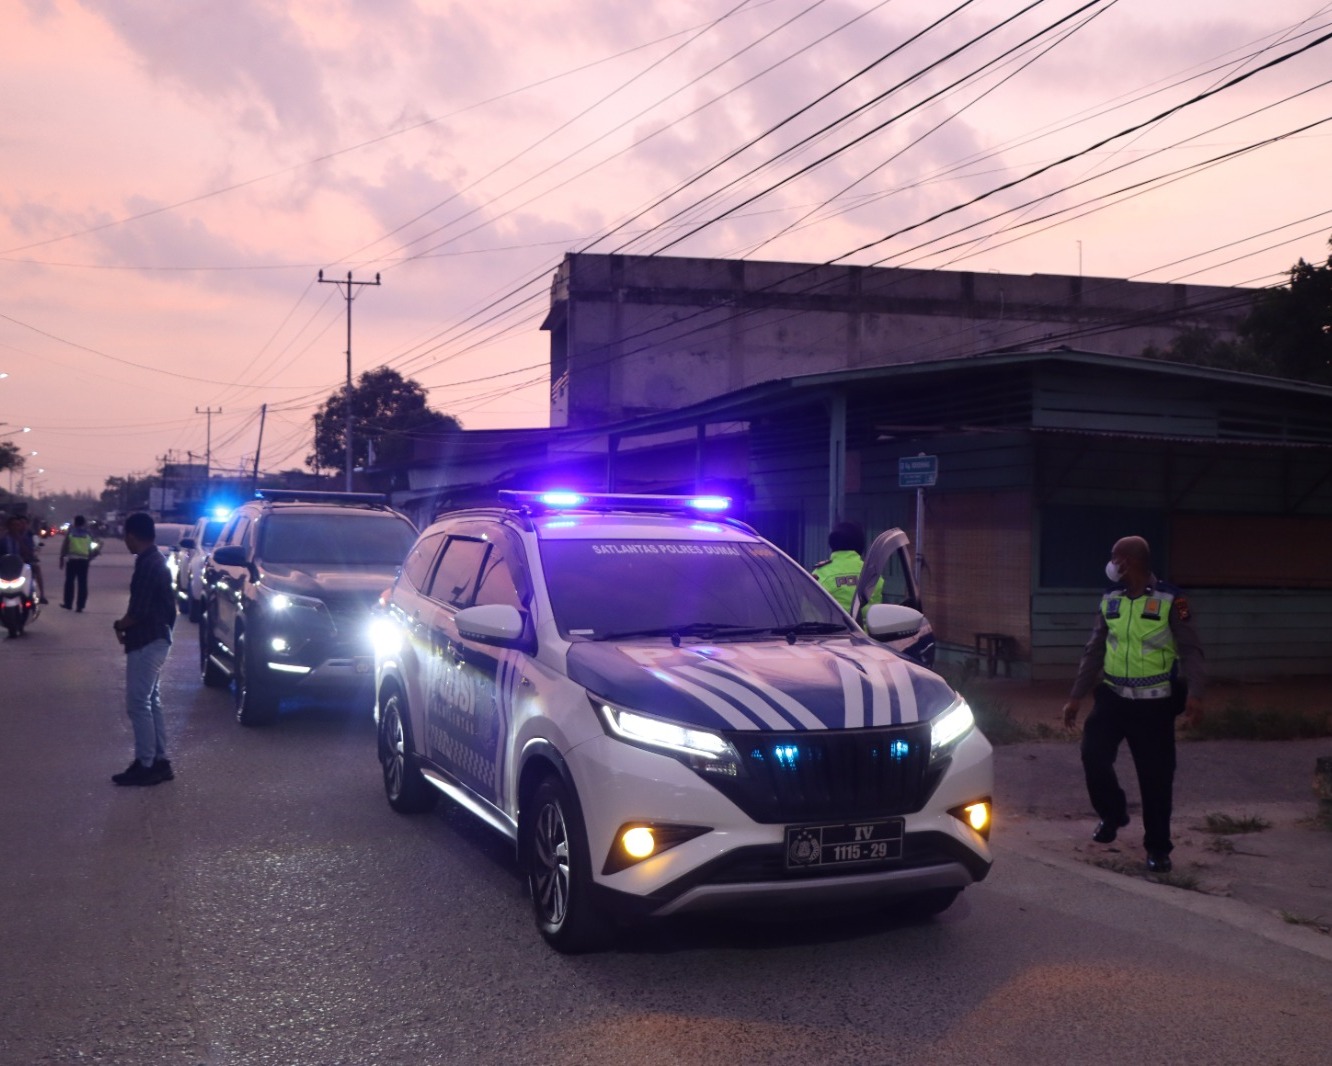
(288, 594)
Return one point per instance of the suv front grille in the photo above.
(836, 775)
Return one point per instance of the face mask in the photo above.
(1112, 571)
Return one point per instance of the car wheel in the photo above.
(213, 676)
(407, 791)
(559, 871)
(196, 609)
(254, 706)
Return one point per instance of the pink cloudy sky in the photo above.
(173, 174)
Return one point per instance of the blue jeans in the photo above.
(143, 699)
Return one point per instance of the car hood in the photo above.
(848, 683)
(333, 585)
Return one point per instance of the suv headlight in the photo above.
(288, 604)
(949, 728)
(701, 749)
(290, 620)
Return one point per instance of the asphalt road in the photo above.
(268, 907)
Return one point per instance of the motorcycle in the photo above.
(19, 603)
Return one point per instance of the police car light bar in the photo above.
(568, 500)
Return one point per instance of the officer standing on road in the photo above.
(145, 631)
(75, 554)
(1147, 658)
(840, 573)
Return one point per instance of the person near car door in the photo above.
(145, 632)
(840, 572)
(1145, 662)
(76, 553)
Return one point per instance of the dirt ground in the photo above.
(1275, 880)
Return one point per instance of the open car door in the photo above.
(889, 558)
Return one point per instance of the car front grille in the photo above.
(831, 775)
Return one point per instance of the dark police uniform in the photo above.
(1144, 660)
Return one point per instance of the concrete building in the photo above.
(639, 335)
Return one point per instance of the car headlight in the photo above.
(288, 603)
(700, 748)
(950, 727)
(386, 636)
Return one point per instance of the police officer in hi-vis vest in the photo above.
(840, 573)
(75, 554)
(1145, 654)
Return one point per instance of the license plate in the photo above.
(844, 844)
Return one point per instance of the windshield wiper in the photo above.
(804, 629)
(693, 629)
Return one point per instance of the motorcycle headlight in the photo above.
(700, 748)
(949, 728)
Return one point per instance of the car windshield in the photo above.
(355, 539)
(608, 589)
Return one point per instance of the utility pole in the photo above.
(208, 452)
(254, 478)
(348, 295)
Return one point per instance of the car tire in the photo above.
(212, 675)
(254, 706)
(196, 609)
(405, 788)
(559, 871)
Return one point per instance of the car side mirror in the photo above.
(186, 542)
(492, 623)
(892, 621)
(231, 555)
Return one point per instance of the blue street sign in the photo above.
(917, 471)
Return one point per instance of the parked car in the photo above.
(168, 542)
(288, 593)
(190, 556)
(666, 714)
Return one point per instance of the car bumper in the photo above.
(739, 862)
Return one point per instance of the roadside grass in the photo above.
(1119, 864)
(1230, 825)
(1318, 924)
(1240, 720)
(1321, 820)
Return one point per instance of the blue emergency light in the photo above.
(568, 500)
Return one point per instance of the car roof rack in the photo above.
(556, 500)
(374, 499)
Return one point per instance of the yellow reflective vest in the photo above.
(1140, 649)
(78, 544)
(839, 575)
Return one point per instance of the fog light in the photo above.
(279, 645)
(978, 816)
(638, 842)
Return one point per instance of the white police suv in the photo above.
(666, 714)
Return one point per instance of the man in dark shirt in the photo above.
(145, 631)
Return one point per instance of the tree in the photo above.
(388, 413)
(1287, 333)
(1292, 325)
(128, 493)
(11, 456)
